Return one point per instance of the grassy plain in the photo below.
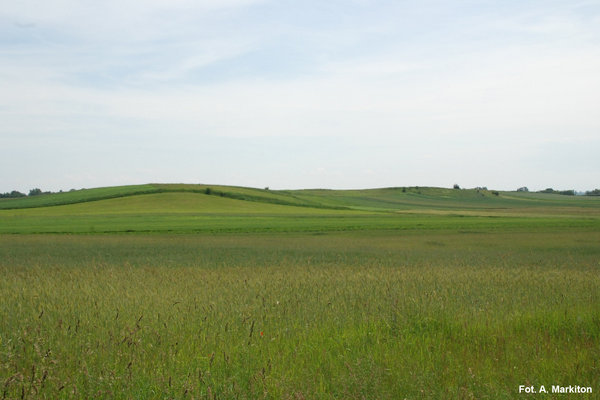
(258, 299)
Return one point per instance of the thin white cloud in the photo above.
(476, 83)
(68, 10)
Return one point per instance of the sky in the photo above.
(300, 94)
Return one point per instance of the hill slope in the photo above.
(213, 208)
(384, 199)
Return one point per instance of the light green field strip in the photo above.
(260, 223)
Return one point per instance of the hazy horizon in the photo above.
(339, 95)
(216, 184)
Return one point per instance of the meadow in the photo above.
(343, 294)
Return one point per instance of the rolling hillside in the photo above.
(214, 208)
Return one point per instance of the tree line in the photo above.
(16, 194)
(595, 192)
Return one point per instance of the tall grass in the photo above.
(384, 315)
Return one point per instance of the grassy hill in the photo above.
(215, 208)
(383, 199)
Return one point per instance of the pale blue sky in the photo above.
(300, 94)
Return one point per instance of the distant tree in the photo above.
(456, 186)
(266, 188)
(595, 192)
(35, 192)
(563, 192)
(523, 189)
(567, 192)
(495, 193)
(16, 193)
(207, 190)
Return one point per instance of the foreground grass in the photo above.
(369, 315)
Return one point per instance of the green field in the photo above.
(176, 291)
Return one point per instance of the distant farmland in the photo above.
(206, 291)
